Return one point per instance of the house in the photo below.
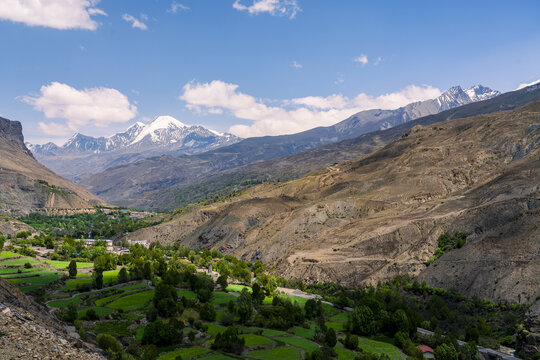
(144, 243)
(427, 352)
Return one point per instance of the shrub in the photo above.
(109, 344)
(446, 352)
(362, 321)
(161, 333)
(229, 341)
(72, 267)
(207, 312)
(350, 341)
(27, 265)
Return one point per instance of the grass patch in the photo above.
(379, 347)
(221, 298)
(344, 354)
(282, 353)
(255, 340)
(101, 311)
(218, 357)
(190, 295)
(64, 264)
(265, 332)
(334, 325)
(8, 254)
(184, 353)
(214, 329)
(131, 302)
(21, 261)
(300, 343)
(109, 277)
(64, 303)
(303, 332)
(343, 317)
(114, 328)
(237, 288)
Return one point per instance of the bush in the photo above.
(161, 333)
(109, 344)
(91, 315)
(229, 341)
(350, 341)
(27, 265)
(207, 312)
(72, 267)
(362, 321)
(446, 352)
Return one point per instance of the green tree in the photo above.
(207, 312)
(123, 275)
(350, 341)
(468, 351)
(446, 352)
(98, 279)
(1, 242)
(109, 344)
(244, 306)
(222, 281)
(147, 270)
(400, 321)
(362, 321)
(330, 338)
(229, 341)
(257, 294)
(72, 267)
(313, 309)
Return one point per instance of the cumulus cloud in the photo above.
(98, 107)
(287, 8)
(176, 6)
(292, 115)
(57, 14)
(362, 59)
(297, 65)
(136, 23)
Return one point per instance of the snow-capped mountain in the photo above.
(456, 96)
(164, 133)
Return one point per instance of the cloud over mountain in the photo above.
(95, 106)
(293, 115)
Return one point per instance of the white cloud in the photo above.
(362, 59)
(175, 6)
(135, 23)
(287, 8)
(297, 65)
(378, 61)
(524, 85)
(57, 14)
(98, 107)
(292, 115)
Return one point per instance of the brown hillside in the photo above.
(380, 216)
(26, 185)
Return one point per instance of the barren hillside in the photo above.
(380, 216)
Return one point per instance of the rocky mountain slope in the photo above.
(380, 216)
(117, 184)
(26, 185)
(28, 331)
(82, 155)
(292, 166)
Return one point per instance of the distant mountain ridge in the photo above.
(165, 133)
(131, 180)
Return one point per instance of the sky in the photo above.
(249, 67)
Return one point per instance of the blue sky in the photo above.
(260, 67)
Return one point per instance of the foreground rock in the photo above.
(27, 331)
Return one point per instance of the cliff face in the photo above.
(27, 186)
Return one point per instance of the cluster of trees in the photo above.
(98, 224)
(447, 242)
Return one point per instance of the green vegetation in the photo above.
(283, 353)
(184, 353)
(7, 254)
(448, 242)
(379, 348)
(99, 224)
(300, 343)
(64, 264)
(134, 301)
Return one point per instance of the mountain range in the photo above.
(127, 183)
(83, 154)
(379, 216)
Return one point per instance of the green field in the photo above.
(303, 332)
(300, 343)
(131, 302)
(7, 254)
(15, 270)
(221, 298)
(190, 295)
(99, 310)
(33, 283)
(344, 354)
(281, 353)
(20, 261)
(255, 340)
(379, 347)
(265, 332)
(114, 328)
(218, 357)
(64, 264)
(184, 353)
(237, 288)
(64, 303)
(35, 272)
(214, 329)
(109, 277)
